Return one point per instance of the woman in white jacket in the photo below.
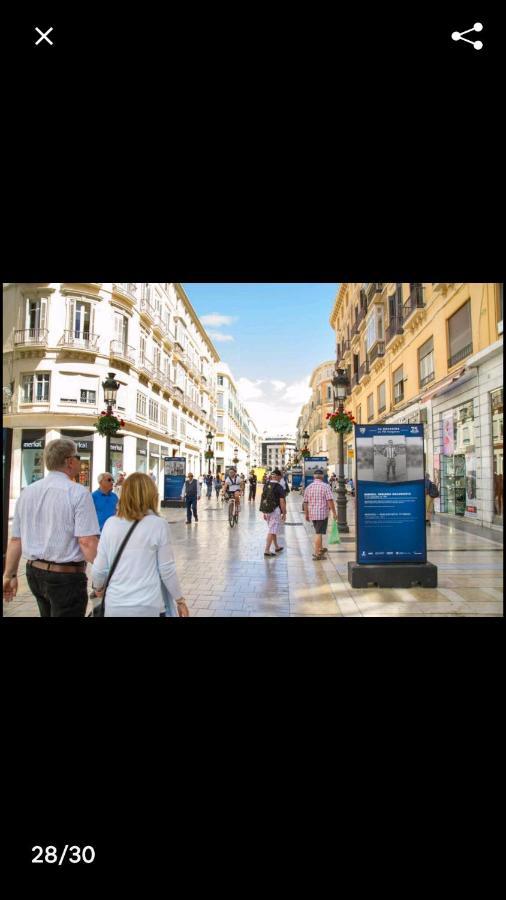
(146, 567)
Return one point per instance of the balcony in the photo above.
(377, 350)
(461, 354)
(355, 378)
(398, 393)
(146, 366)
(118, 350)
(79, 340)
(428, 378)
(414, 302)
(31, 336)
(158, 376)
(158, 323)
(344, 348)
(126, 289)
(363, 369)
(354, 328)
(394, 327)
(147, 310)
(372, 288)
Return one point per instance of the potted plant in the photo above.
(108, 424)
(341, 422)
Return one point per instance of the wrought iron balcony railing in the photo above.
(31, 336)
(414, 301)
(363, 369)
(79, 340)
(145, 365)
(122, 351)
(394, 327)
(377, 350)
(461, 354)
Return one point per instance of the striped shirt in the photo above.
(317, 495)
(50, 516)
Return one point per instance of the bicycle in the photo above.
(233, 510)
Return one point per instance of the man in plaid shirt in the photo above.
(317, 503)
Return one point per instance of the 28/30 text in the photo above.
(71, 854)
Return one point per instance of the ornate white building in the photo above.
(60, 342)
(236, 431)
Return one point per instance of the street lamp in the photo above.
(236, 458)
(305, 438)
(111, 388)
(209, 437)
(341, 387)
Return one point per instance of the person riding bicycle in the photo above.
(232, 486)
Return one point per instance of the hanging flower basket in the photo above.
(342, 423)
(209, 454)
(108, 425)
(305, 453)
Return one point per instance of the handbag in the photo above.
(334, 534)
(99, 610)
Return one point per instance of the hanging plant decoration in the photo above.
(341, 422)
(305, 453)
(209, 454)
(108, 425)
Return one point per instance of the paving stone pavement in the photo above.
(224, 574)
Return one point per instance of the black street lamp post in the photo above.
(341, 386)
(209, 437)
(236, 458)
(111, 388)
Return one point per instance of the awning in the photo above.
(443, 385)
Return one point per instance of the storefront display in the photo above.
(458, 462)
(141, 458)
(497, 443)
(154, 461)
(32, 458)
(116, 457)
(84, 443)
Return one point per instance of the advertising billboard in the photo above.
(174, 477)
(310, 464)
(390, 494)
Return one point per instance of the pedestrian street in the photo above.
(224, 573)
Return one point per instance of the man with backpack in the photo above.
(431, 494)
(273, 506)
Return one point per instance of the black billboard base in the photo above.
(173, 503)
(390, 575)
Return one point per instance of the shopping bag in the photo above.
(334, 534)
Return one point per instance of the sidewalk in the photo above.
(224, 574)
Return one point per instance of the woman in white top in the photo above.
(135, 589)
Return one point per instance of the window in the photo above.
(426, 362)
(219, 423)
(88, 396)
(183, 427)
(329, 392)
(163, 416)
(499, 308)
(173, 422)
(220, 380)
(374, 328)
(156, 356)
(220, 446)
(35, 388)
(153, 411)
(81, 314)
(460, 343)
(382, 396)
(398, 385)
(141, 404)
(370, 407)
(120, 329)
(220, 401)
(359, 414)
(36, 314)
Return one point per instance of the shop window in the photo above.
(497, 444)
(35, 387)
(399, 385)
(88, 396)
(426, 372)
(460, 343)
(153, 411)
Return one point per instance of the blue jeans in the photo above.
(191, 505)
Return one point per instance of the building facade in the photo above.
(277, 451)
(61, 340)
(432, 353)
(236, 435)
(322, 440)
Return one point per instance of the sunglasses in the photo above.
(108, 479)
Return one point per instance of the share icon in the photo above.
(458, 36)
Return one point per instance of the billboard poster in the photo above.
(471, 508)
(310, 464)
(174, 477)
(448, 442)
(390, 491)
(296, 472)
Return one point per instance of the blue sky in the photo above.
(272, 336)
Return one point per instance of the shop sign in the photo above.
(116, 446)
(390, 492)
(37, 444)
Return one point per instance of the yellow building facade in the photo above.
(431, 353)
(322, 440)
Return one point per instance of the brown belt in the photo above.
(57, 567)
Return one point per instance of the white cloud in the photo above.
(278, 384)
(274, 405)
(217, 319)
(249, 390)
(298, 392)
(219, 337)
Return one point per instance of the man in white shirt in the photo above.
(56, 528)
(232, 487)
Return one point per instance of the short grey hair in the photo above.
(57, 452)
(103, 475)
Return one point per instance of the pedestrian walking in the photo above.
(104, 499)
(191, 494)
(317, 504)
(209, 485)
(119, 483)
(252, 486)
(273, 507)
(242, 483)
(56, 529)
(217, 484)
(431, 493)
(145, 571)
